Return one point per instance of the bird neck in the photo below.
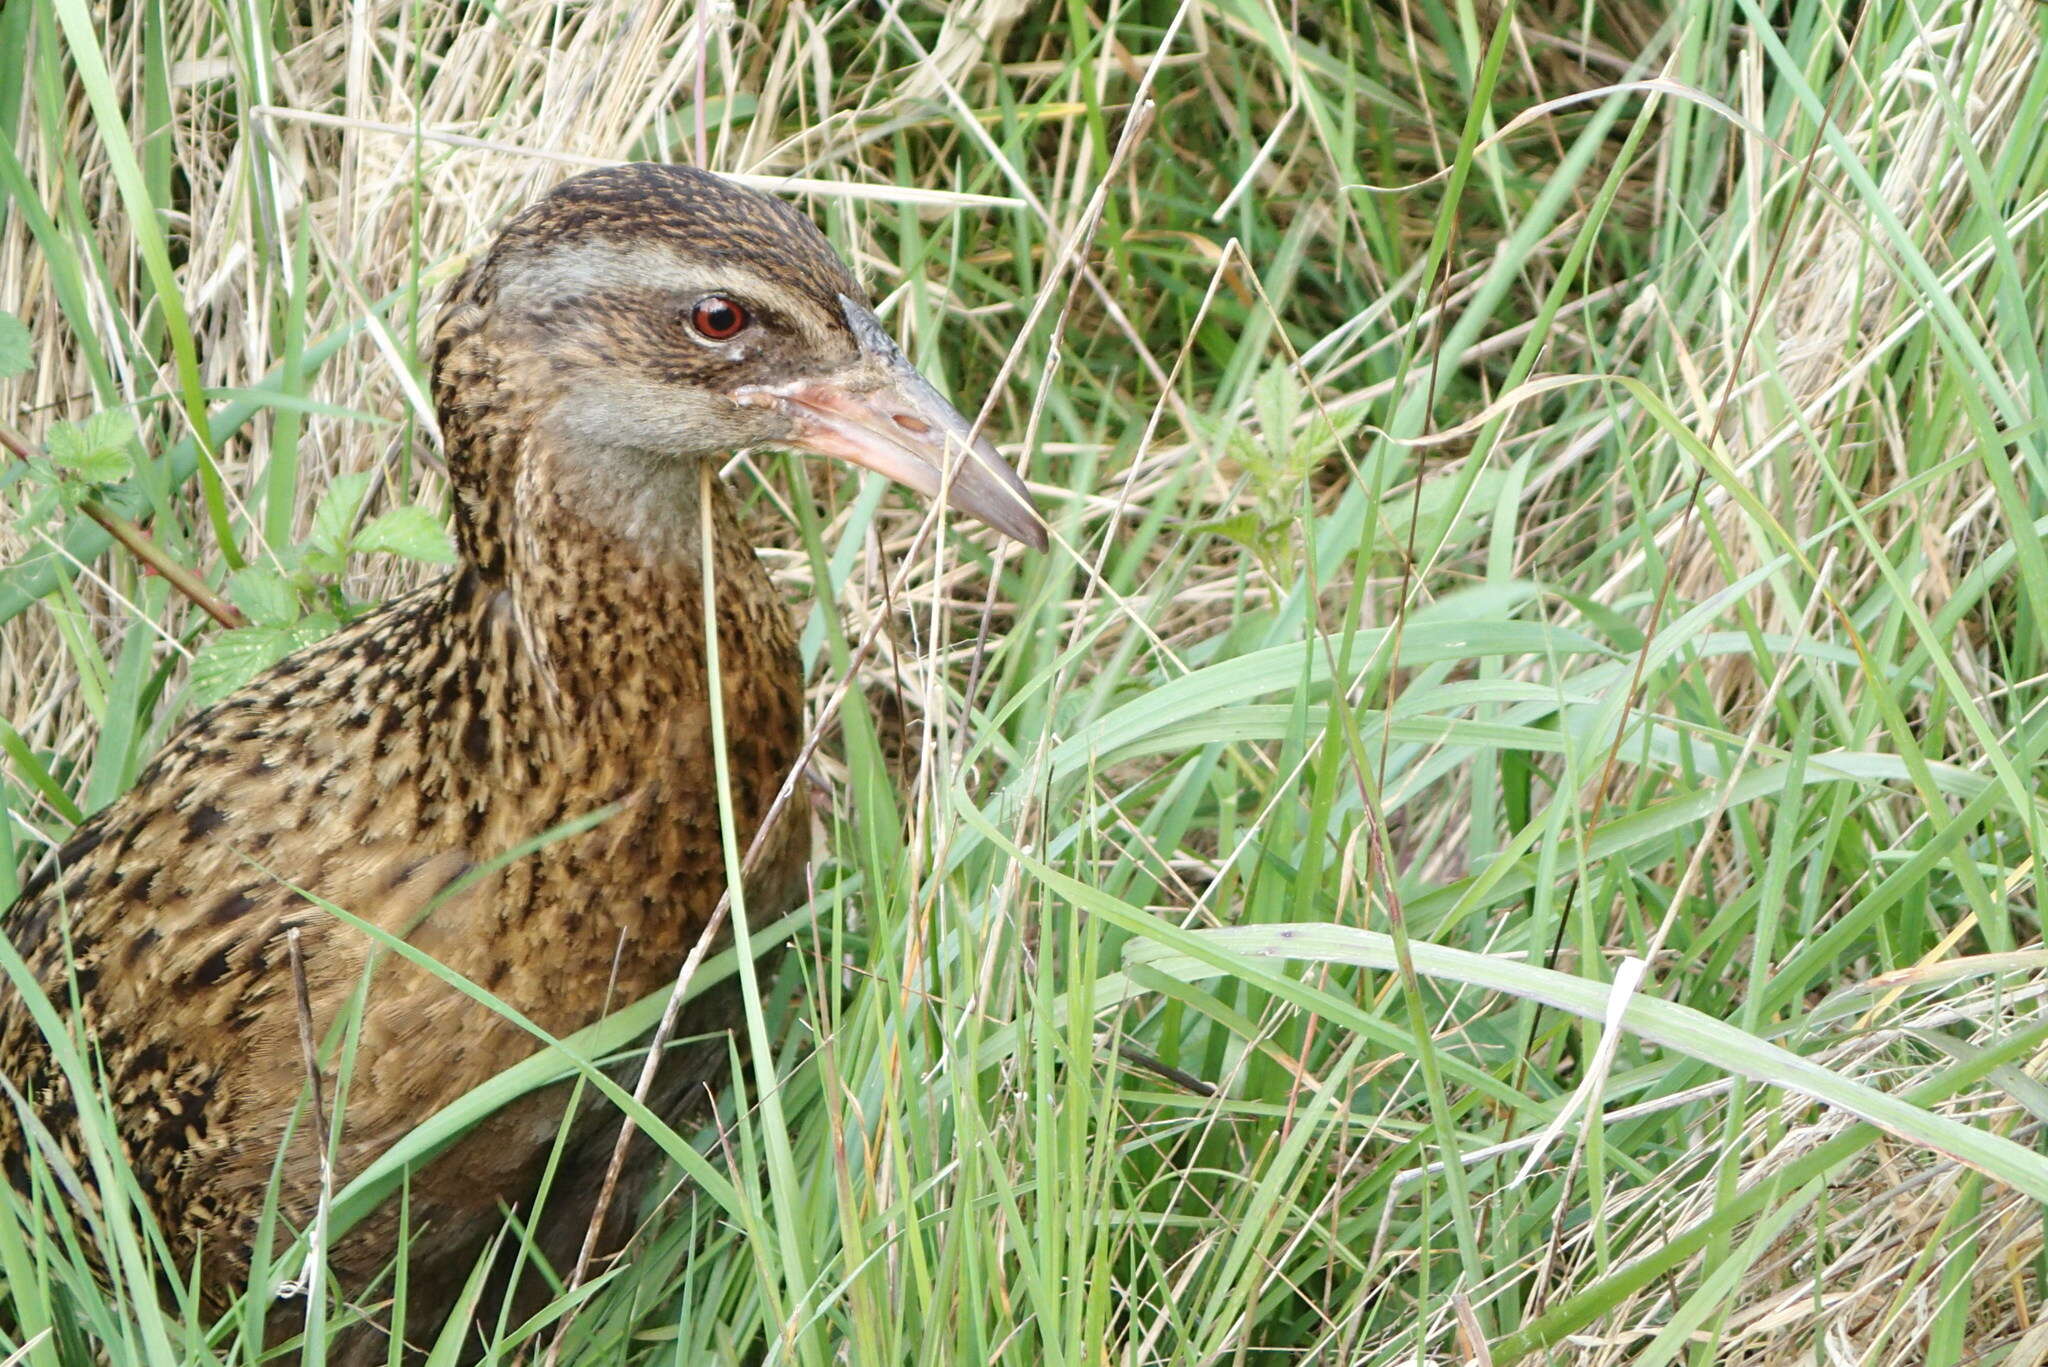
(585, 562)
(604, 575)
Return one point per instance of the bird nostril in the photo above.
(914, 425)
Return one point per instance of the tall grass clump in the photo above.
(1505, 829)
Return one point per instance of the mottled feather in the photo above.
(560, 669)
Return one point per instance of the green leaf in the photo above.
(266, 596)
(314, 560)
(95, 450)
(412, 532)
(315, 626)
(1244, 529)
(44, 489)
(17, 347)
(338, 512)
(233, 658)
(44, 502)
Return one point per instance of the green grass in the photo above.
(1501, 538)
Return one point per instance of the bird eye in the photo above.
(718, 318)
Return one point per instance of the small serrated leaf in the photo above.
(315, 561)
(17, 346)
(337, 514)
(266, 596)
(315, 626)
(1241, 528)
(233, 658)
(410, 531)
(95, 450)
(44, 502)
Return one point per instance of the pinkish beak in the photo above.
(881, 414)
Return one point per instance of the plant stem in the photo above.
(139, 544)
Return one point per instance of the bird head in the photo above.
(669, 313)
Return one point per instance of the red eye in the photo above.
(718, 318)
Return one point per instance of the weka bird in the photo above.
(630, 325)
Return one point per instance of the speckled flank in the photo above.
(560, 669)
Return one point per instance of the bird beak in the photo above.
(881, 414)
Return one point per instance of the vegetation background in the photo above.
(1506, 828)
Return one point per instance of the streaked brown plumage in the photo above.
(582, 371)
